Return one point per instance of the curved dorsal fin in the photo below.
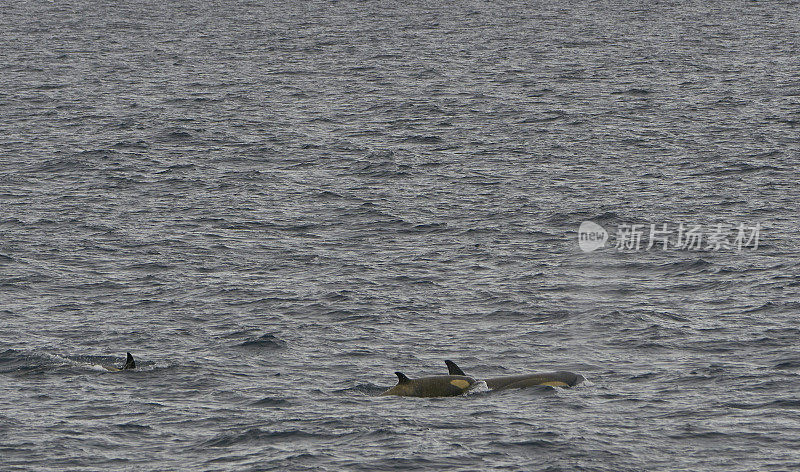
(401, 377)
(129, 362)
(453, 369)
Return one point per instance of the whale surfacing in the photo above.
(129, 364)
(434, 386)
(552, 379)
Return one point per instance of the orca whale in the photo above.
(129, 364)
(434, 386)
(552, 379)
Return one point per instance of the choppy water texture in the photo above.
(275, 205)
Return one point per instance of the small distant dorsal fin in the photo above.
(129, 362)
(401, 377)
(453, 369)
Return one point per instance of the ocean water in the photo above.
(276, 205)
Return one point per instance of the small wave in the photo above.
(426, 228)
(28, 362)
(133, 427)
(788, 363)
(176, 168)
(50, 86)
(258, 435)
(58, 165)
(338, 295)
(775, 307)
(647, 376)
(367, 389)
(742, 168)
(384, 168)
(576, 218)
(131, 145)
(633, 91)
(707, 435)
(7, 422)
(99, 286)
(360, 352)
(327, 195)
(684, 267)
(12, 360)
(527, 444)
(546, 117)
(271, 401)
(148, 266)
(789, 404)
(417, 139)
(176, 136)
(265, 341)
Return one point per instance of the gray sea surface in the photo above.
(276, 205)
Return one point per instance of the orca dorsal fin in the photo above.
(129, 362)
(401, 377)
(453, 369)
